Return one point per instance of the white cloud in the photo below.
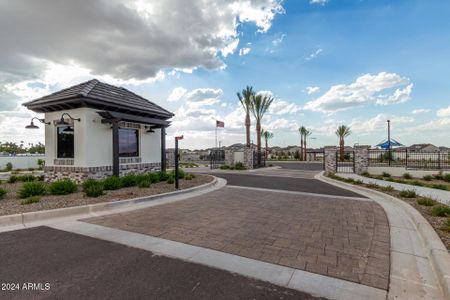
(443, 112)
(314, 54)
(280, 124)
(366, 89)
(230, 47)
(244, 51)
(320, 2)
(420, 111)
(281, 107)
(378, 123)
(312, 89)
(279, 39)
(176, 94)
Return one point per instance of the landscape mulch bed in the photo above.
(11, 203)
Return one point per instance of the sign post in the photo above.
(177, 156)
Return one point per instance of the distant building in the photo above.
(423, 148)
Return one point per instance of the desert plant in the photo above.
(30, 200)
(144, 183)
(154, 177)
(188, 177)
(92, 187)
(441, 211)
(111, 183)
(129, 180)
(438, 176)
(388, 188)
(181, 174)
(224, 167)
(13, 179)
(440, 187)
(426, 201)
(246, 101)
(407, 176)
(171, 179)
(62, 187)
(41, 163)
(427, 177)
(349, 180)
(386, 174)
(239, 166)
(359, 182)
(418, 183)
(9, 166)
(29, 189)
(446, 225)
(408, 194)
(2, 193)
(446, 177)
(26, 178)
(372, 185)
(163, 175)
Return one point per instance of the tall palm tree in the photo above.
(301, 130)
(259, 106)
(267, 136)
(306, 133)
(342, 132)
(246, 101)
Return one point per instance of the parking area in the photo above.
(332, 236)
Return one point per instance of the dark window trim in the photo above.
(57, 142)
(138, 143)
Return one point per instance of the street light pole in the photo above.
(389, 140)
(177, 156)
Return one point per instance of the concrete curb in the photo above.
(436, 252)
(22, 219)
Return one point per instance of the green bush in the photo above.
(446, 225)
(388, 188)
(171, 180)
(349, 180)
(372, 185)
(408, 194)
(440, 187)
(31, 200)
(365, 174)
(13, 179)
(440, 211)
(438, 176)
(224, 167)
(181, 173)
(239, 166)
(386, 174)
(93, 188)
(154, 177)
(2, 193)
(390, 179)
(359, 182)
(401, 181)
(163, 175)
(9, 166)
(111, 183)
(144, 183)
(426, 201)
(418, 183)
(188, 177)
(40, 178)
(62, 187)
(129, 180)
(407, 176)
(26, 178)
(29, 189)
(446, 177)
(427, 177)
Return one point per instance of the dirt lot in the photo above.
(11, 203)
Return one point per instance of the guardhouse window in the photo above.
(65, 142)
(128, 142)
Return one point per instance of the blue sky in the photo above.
(329, 63)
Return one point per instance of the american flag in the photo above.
(220, 124)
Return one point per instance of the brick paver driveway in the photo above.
(337, 237)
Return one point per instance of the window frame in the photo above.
(138, 142)
(57, 141)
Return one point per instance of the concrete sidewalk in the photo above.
(438, 195)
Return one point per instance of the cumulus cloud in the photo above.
(312, 89)
(378, 123)
(176, 94)
(244, 51)
(319, 2)
(281, 107)
(314, 54)
(420, 111)
(443, 112)
(366, 89)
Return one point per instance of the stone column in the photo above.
(330, 159)
(361, 158)
(229, 157)
(248, 157)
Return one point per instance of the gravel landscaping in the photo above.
(11, 203)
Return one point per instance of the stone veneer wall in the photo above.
(248, 157)
(229, 157)
(330, 159)
(361, 159)
(79, 174)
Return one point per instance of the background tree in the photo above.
(259, 106)
(246, 101)
(342, 132)
(306, 133)
(267, 136)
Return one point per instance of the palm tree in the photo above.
(301, 130)
(246, 101)
(306, 133)
(342, 132)
(259, 106)
(267, 136)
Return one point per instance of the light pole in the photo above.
(177, 138)
(389, 140)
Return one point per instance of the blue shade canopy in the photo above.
(385, 144)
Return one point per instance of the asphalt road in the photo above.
(285, 183)
(299, 165)
(79, 267)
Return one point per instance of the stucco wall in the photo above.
(20, 162)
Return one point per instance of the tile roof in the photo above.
(96, 92)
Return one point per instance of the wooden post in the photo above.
(115, 141)
(163, 148)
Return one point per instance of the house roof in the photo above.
(421, 146)
(99, 95)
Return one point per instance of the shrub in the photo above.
(129, 180)
(440, 211)
(225, 167)
(31, 200)
(93, 188)
(163, 175)
(440, 187)
(407, 176)
(372, 185)
(446, 225)
(386, 174)
(154, 177)
(426, 201)
(9, 166)
(401, 181)
(181, 173)
(359, 182)
(111, 183)
(408, 194)
(438, 176)
(446, 177)
(26, 178)
(144, 183)
(349, 180)
(12, 179)
(388, 188)
(171, 180)
(427, 177)
(418, 183)
(62, 187)
(29, 189)
(40, 178)
(188, 177)
(366, 174)
(390, 179)
(41, 163)
(239, 166)
(2, 193)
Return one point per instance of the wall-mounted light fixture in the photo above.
(149, 129)
(32, 126)
(63, 122)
